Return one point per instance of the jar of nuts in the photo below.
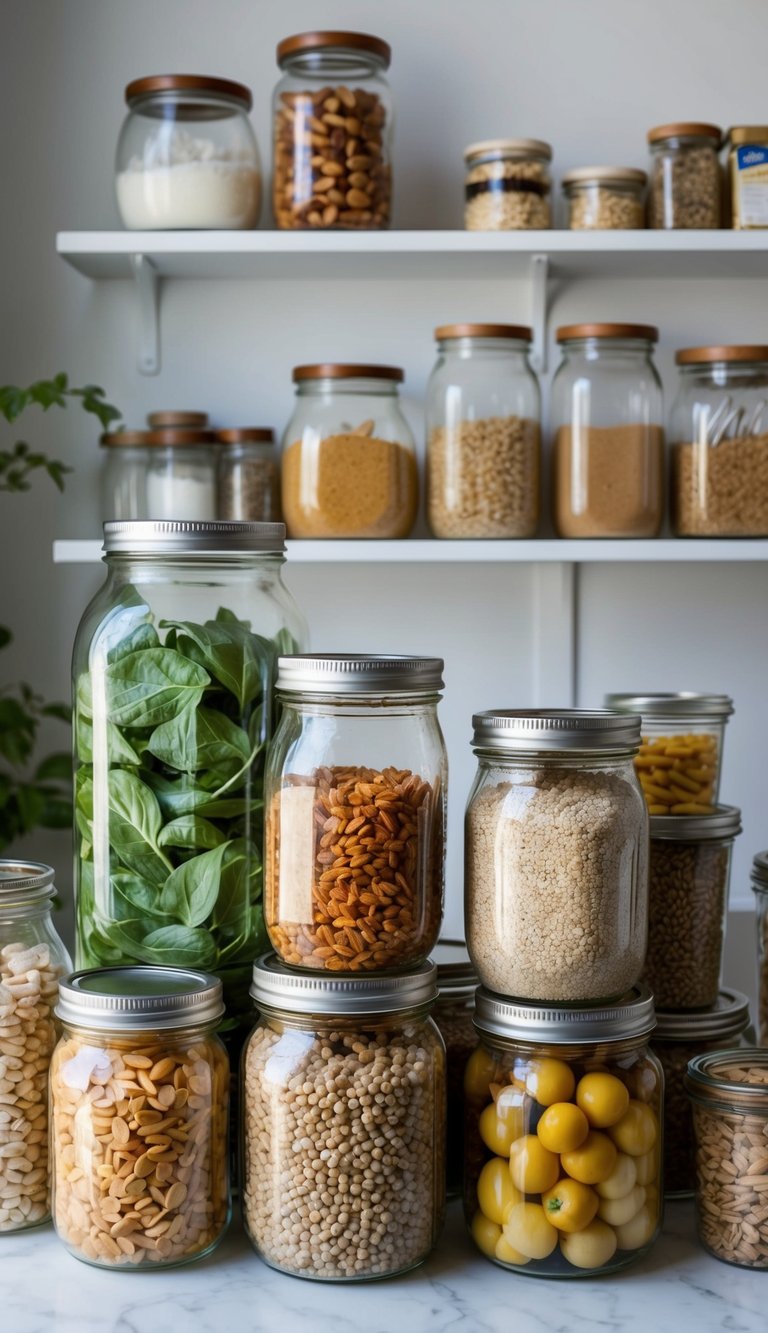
(32, 958)
(760, 888)
(248, 475)
(685, 176)
(332, 116)
(507, 185)
(563, 1135)
(605, 198)
(457, 981)
(681, 751)
(343, 1170)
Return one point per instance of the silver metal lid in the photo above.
(684, 705)
(724, 823)
(727, 1017)
(760, 872)
(193, 537)
(455, 970)
(279, 987)
(521, 731)
(136, 998)
(358, 674)
(24, 881)
(632, 1016)
(722, 1078)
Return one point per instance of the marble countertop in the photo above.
(675, 1289)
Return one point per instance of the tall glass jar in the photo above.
(563, 1136)
(355, 798)
(343, 1156)
(685, 176)
(608, 452)
(349, 460)
(454, 1013)
(139, 1110)
(760, 888)
(556, 856)
(681, 755)
(507, 185)
(483, 433)
(248, 475)
(332, 126)
(32, 958)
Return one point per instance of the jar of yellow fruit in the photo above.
(681, 753)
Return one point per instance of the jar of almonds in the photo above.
(507, 185)
(140, 1103)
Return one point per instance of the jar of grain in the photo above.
(355, 813)
(605, 198)
(332, 126)
(563, 1136)
(685, 176)
(681, 752)
(748, 176)
(343, 1170)
(248, 475)
(349, 460)
(507, 185)
(139, 1104)
(760, 889)
(454, 1012)
(719, 434)
(556, 856)
(32, 958)
(483, 435)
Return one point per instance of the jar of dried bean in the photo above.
(332, 124)
(139, 1105)
(355, 813)
(507, 185)
(605, 198)
(32, 958)
(563, 1135)
(556, 856)
(483, 435)
(454, 1012)
(343, 1171)
(248, 475)
(681, 752)
(685, 176)
(760, 888)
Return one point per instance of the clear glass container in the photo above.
(556, 856)
(187, 157)
(32, 959)
(563, 1136)
(607, 420)
(355, 798)
(507, 185)
(454, 1014)
(483, 433)
(124, 474)
(332, 127)
(681, 754)
(605, 198)
(248, 475)
(180, 475)
(760, 889)
(685, 176)
(748, 176)
(349, 460)
(719, 436)
(139, 1117)
(343, 1155)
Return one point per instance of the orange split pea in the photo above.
(678, 773)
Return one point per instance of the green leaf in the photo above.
(151, 686)
(55, 768)
(56, 813)
(240, 879)
(177, 946)
(137, 895)
(199, 738)
(190, 831)
(61, 711)
(190, 893)
(30, 802)
(17, 731)
(241, 661)
(143, 636)
(134, 825)
(119, 751)
(229, 807)
(5, 636)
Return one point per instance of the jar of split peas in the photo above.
(681, 755)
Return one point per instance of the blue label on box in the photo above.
(750, 155)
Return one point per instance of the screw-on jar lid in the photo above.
(732, 1079)
(760, 872)
(189, 420)
(124, 439)
(338, 41)
(338, 370)
(517, 331)
(632, 1016)
(726, 1018)
(358, 674)
(137, 998)
(521, 731)
(685, 129)
(499, 148)
(739, 135)
(685, 705)
(188, 83)
(724, 822)
(246, 435)
(279, 987)
(24, 881)
(192, 537)
(455, 969)
(702, 356)
(573, 332)
(604, 176)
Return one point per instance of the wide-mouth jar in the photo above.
(507, 185)
(681, 754)
(759, 878)
(685, 175)
(605, 198)
(454, 1013)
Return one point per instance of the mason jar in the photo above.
(685, 175)
(32, 958)
(453, 1014)
(563, 1135)
(332, 128)
(187, 157)
(607, 419)
(681, 754)
(605, 198)
(556, 856)
(760, 888)
(139, 1109)
(349, 460)
(507, 185)
(248, 475)
(124, 474)
(483, 433)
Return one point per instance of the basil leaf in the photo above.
(190, 893)
(119, 751)
(177, 946)
(190, 831)
(200, 738)
(177, 797)
(134, 893)
(240, 874)
(241, 661)
(228, 807)
(143, 636)
(148, 687)
(134, 826)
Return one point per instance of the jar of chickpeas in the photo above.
(681, 754)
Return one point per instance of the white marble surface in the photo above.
(676, 1289)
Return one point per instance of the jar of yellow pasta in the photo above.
(681, 754)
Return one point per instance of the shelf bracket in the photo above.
(148, 290)
(539, 271)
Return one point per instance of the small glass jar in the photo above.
(139, 1117)
(343, 1156)
(748, 176)
(681, 755)
(685, 176)
(563, 1136)
(180, 474)
(556, 856)
(605, 198)
(760, 889)
(507, 185)
(349, 459)
(124, 474)
(32, 958)
(332, 126)
(248, 475)
(608, 452)
(187, 157)
(483, 433)
(454, 1013)
(719, 435)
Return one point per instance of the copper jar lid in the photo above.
(188, 83)
(518, 331)
(345, 41)
(692, 356)
(339, 370)
(685, 129)
(645, 331)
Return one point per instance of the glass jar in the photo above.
(248, 475)
(748, 176)
(760, 889)
(719, 432)
(124, 474)
(507, 185)
(355, 799)
(685, 176)
(608, 452)
(453, 1014)
(605, 198)
(563, 1136)
(32, 958)
(677, 1038)
(180, 474)
(343, 1157)
(187, 157)
(332, 126)
(483, 433)
(556, 856)
(681, 754)
(349, 461)
(139, 1108)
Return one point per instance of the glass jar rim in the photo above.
(579, 332)
(134, 998)
(709, 1080)
(566, 1025)
(140, 89)
(192, 537)
(720, 826)
(511, 332)
(358, 675)
(570, 731)
(279, 987)
(726, 1018)
(670, 706)
(604, 176)
(23, 882)
(305, 43)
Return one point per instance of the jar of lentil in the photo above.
(349, 460)
(605, 198)
(748, 176)
(685, 176)
(563, 1135)
(454, 1012)
(139, 1106)
(355, 799)
(507, 185)
(556, 856)
(483, 433)
(760, 888)
(343, 1170)
(681, 752)
(248, 475)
